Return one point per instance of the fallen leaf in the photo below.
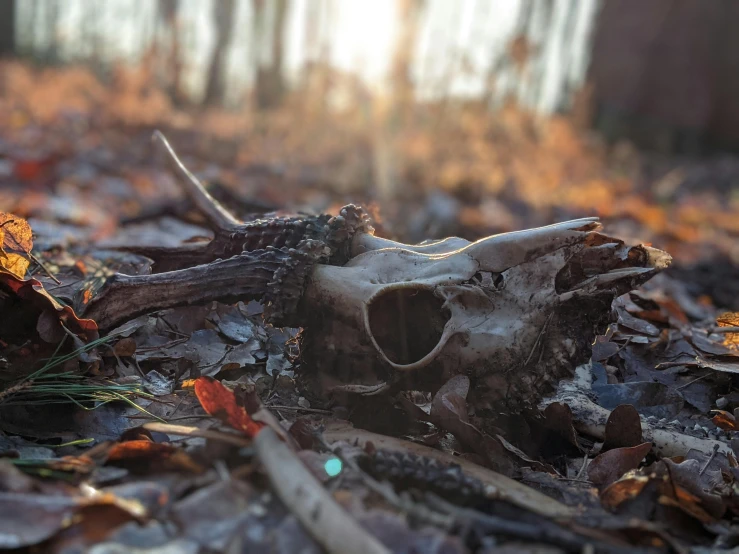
(648, 397)
(558, 418)
(608, 467)
(729, 319)
(221, 403)
(14, 263)
(724, 420)
(33, 291)
(147, 456)
(17, 234)
(624, 489)
(449, 411)
(623, 428)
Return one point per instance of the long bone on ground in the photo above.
(516, 311)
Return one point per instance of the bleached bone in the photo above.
(590, 419)
(516, 311)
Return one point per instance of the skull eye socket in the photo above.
(407, 323)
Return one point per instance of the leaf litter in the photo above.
(79, 465)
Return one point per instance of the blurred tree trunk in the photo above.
(389, 121)
(223, 16)
(409, 16)
(270, 82)
(51, 22)
(665, 74)
(7, 28)
(168, 19)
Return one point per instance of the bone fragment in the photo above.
(590, 419)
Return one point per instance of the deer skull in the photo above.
(516, 311)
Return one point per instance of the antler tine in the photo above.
(216, 215)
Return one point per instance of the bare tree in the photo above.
(223, 16)
(410, 12)
(270, 81)
(168, 20)
(7, 27)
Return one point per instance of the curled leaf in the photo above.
(724, 420)
(33, 292)
(221, 403)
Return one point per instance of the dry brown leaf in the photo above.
(624, 489)
(729, 319)
(623, 428)
(608, 467)
(15, 244)
(16, 264)
(18, 236)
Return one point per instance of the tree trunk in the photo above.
(7, 28)
(270, 82)
(168, 20)
(223, 16)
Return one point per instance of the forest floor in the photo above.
(160, 435)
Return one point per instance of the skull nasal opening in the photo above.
(407, 323)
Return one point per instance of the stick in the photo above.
(304, 496)
(188, 431)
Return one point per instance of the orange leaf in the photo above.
(220, 402)
(144, 454)
(33, 292)
(14, 263)
(729, 319)
(17, 233)
(624, 489)
(724, 420)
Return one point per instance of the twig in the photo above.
(314, 507)
(216, 214)
(725, 330)
(624, 345)
(187, 431)
(693, 381)
(43, 266)
(710, 459)
(170, 419)
(582, 469)
(300, 409)
(538, 339)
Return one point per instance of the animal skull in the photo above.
(516, 312)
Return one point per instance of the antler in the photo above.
(264, 259)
